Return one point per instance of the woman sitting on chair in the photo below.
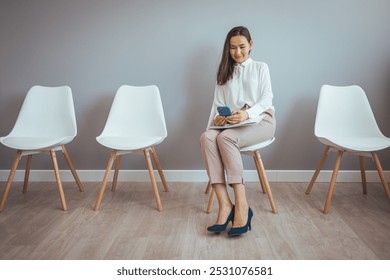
(245, 86)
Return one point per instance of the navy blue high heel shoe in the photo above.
(241, 230)
(219, 228)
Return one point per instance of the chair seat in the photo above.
(34, 143)
(358, 144)
(129, 143)
(252, 148)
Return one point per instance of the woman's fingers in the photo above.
(234, 118)
(237, 116)
(219, 121)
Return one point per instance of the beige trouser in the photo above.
(221, 148)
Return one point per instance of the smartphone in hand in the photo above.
(224, 111)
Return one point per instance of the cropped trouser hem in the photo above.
(230, 180)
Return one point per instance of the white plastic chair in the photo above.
(135, 124)
(252, 151)
(46, 122)
(346, 123)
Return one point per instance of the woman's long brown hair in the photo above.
(226, 67)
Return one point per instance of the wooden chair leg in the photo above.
(211, 197)
(104, 183)
(332, 182)
(261, 170)
(27, 173)
(261, 179)
(153, 180)
(208, 188)
(211, 201)
(116, 173)
(10, 179)
(315, 175)
(363, 174)
(58, 178)
(72, 169)
(381, 174)
(160, 171)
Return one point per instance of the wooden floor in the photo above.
(128, 226)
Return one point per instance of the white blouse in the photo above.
(250, 85)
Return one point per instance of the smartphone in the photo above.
(224, 111)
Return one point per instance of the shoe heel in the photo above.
(241, 230)
(250, 215)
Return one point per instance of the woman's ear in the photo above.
(250, 45)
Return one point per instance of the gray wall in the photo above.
(94, 46)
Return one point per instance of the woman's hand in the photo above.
(237, 117)
(219, 121)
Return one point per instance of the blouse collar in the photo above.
(245, 63)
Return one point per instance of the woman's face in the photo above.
(240, 48)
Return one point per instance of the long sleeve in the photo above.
(265, 94)
(219, 100)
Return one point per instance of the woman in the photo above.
(245, 86)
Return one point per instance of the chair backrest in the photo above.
(46, 112)
(136, 110)
(344, 111)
